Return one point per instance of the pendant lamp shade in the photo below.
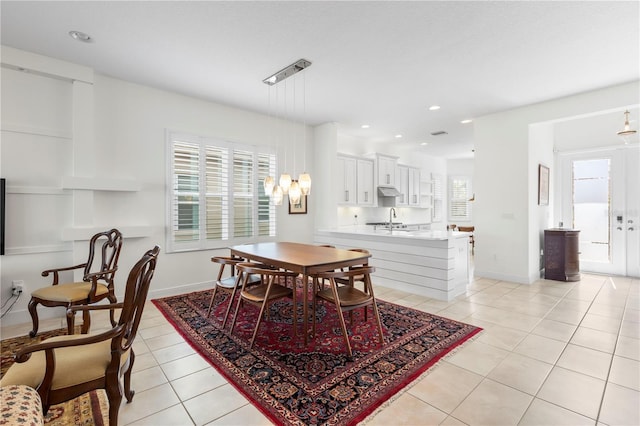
(304, 180)
(294, 193)
(627, 132)
(285, 182)
(276, 196)
(269, 183)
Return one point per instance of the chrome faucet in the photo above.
(392, 214)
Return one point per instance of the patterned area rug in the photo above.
(315, 384)
(92, 408)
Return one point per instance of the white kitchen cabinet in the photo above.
(356, 177)
(347, 178)
(402, 184)
(386, 169)
(426, 195)
(364, 182)
(414, 187)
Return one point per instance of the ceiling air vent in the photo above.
(438, 133)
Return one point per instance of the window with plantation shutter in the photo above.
(216, 197)
(459, 194)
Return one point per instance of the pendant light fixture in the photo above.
(627, 132)
(286, 185)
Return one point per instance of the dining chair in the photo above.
(269, 289)
(62, 368)
(356, 278)
(348, 298)
(229, 284)
(97, 281)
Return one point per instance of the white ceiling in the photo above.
(380, 63)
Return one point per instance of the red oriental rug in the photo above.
(315, 384)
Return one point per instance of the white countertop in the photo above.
(397, 233)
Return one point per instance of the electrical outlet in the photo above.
(17, 287)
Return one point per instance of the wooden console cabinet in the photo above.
(561, 256)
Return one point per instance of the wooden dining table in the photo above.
(305, 259)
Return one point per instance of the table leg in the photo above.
(305, 296)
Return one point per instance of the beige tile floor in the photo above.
(551, 353)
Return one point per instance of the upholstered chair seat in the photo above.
(72, 367)
(71, 292)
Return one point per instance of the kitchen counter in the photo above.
(430, 263)
(397, 233)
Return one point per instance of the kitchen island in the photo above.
(430, 263)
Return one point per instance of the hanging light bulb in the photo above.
(627, 132)
(269, 183)
(276, 196)
(304, 180)
(285, 182)
(294, 193)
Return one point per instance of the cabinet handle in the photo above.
(346, 195)
(388, 178)
(366, 196)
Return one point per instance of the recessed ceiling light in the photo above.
(424, 143)
(434, 107)
(398, 136)
(365, 126)
(466, 121)
(80, 36)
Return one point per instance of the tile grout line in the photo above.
(606, 383)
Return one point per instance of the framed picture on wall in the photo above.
(543, 185)
(300, 208)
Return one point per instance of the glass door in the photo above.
(598, 199)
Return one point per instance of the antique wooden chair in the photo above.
(347, 298)
(64, 367)
(96, 284)
(264, 293)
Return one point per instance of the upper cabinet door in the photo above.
(364, 182)
(386, 170)
(402, 183)
(347, 176)
(414, 186)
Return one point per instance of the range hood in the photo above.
(387, 196)
(388, 191)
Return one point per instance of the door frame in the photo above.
(625, 244)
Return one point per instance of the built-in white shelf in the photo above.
(99, 184)
(41, 190)
(84, 233)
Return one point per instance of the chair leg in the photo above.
(264, 303)
(336, 300)
(114, 394)
(213, 296)
(376, 313)
(86, 323)
(34, 317)
(233, 294)
(128, 392)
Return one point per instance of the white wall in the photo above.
(508, 220)
(112, 129)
